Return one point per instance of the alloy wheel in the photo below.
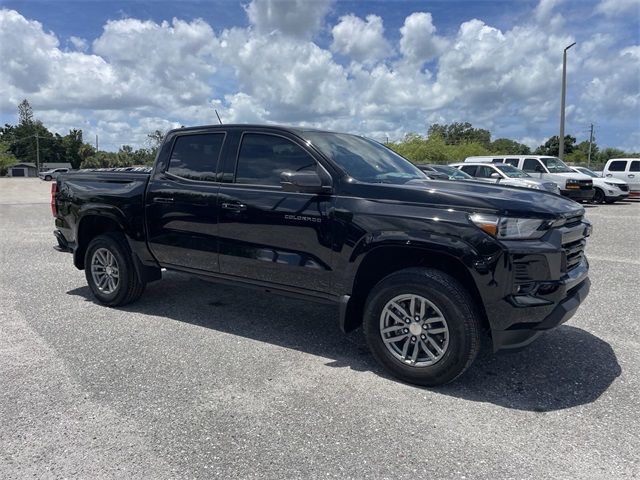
(105, 271)
(414, 330)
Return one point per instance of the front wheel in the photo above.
(47, 178)
(598, 196)
(110, 271)
(422, 325)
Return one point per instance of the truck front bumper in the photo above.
(521, 335)
(578, 194)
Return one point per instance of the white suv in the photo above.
(504, 174)
(606, 189)
(576, 186)
(627, 169)
(52, 174)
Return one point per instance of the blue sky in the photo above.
(120, 69)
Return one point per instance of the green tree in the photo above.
(72, 144)
(460, 132)
(552, 146)
(506, 146)
(7, 159)
(25, 113)
(101, 159)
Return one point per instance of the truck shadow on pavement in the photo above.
(563, 368)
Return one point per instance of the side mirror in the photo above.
(539, 169)
(303, 182)
(496, 175)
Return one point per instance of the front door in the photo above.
(269, 235)
(182, 203)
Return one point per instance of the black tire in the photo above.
(47, 178)
(610, 200)
(457, 307)
(598, 196)
(129, 286)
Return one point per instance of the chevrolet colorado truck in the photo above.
(426, 267)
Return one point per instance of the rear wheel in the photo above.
(110, 271)
(422, 325)
(47, 178)
(598, 196)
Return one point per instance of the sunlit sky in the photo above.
(386, 68)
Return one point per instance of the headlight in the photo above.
(611, 184)
(509, 228)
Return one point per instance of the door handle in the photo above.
(234, 206)
(608, 174)
(163, 199)
(631, 175)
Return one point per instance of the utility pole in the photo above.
(37, 154)
(562, 100)
(590, 142)
(96, 142)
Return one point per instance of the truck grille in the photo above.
(573, 221)
(574, 252)
(585, 184)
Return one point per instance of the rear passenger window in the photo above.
(635, 166)
(512, 161)
(196, 156)
(497, 160)
(618, 166)
(530, 165)
(484, 172)
(264, 157)
(471, 170)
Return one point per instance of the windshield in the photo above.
(555, 165)
(511, 171)
(364, 159)
(453, 172)
(586, 171)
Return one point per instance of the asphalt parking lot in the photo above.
(198, 380)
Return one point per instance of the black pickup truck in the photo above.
(426, 266)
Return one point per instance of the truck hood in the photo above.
(473, 196)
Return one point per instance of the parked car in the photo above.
(425, 266)
(627, 169)
(607, 190)
(450, 172)
(576, 186)
(506, 175)
(52, 174)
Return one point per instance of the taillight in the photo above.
(54, 189)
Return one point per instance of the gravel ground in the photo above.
(200, 380)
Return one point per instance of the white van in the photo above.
(627, 169)
(576, 186)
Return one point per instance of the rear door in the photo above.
(182, 203)
(268, 235)
(618, 169)
(633, 175)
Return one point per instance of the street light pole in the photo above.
(562, 100)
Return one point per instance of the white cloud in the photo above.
(299, 18)
(361, 40)
(79, 43)
(142, 75)
(419, 42)
(613, 8)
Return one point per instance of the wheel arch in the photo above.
(384, 260)
(90, 226)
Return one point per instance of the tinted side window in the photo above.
(619, 166)
(196, 156)
(484, 172)
(470, 169)
(512, 161)
(635, 166)
(497, 160)
(530, 165)
(263, 158)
